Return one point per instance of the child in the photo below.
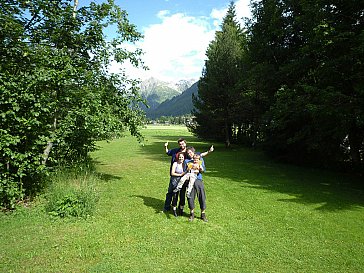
(193, 169)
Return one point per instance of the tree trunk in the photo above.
(49, 146)
(355, 142)
(46, 152)
(227, 134)
(75, 4)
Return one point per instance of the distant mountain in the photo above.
(156, 91)
(177, 106)
(183, 85)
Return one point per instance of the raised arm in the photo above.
(166, 146)
(201, 168)
(208, 152)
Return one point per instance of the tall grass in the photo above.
(263, 217)
(72, 192)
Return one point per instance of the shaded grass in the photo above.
(263, 217)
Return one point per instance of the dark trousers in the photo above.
(199, 190)
(172, 197)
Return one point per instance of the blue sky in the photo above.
(143, 13)
(176, 34)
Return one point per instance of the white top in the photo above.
(179, 168)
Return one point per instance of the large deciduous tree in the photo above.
(56, 95)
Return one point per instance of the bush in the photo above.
(10, 193)
(72, 195)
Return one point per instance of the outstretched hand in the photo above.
(166, 144)
(211, 149)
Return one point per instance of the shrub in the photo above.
(72, 195)
(10, 193)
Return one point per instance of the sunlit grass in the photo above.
(263, 217)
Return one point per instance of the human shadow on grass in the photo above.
(103, 176)
(152, 202)
(329, 191)
(107, 177)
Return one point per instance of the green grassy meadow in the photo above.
(263, 217)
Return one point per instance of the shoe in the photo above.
(203, 217)
(180, 211)
(192, 217)
(175, 212)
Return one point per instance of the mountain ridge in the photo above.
(156, 92)
(177, 106)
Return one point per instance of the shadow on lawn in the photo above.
(154, 203)
(108, 177)
(330, 191)
(103, 176)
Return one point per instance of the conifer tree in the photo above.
(218, 92)
(305, 70)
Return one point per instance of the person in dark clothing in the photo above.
(172, 153)
(170, 195)
(197, 190)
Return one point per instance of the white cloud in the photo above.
(162, 13)
(175, 48)
(217, 15)
(242, 9)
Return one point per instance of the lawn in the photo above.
(263, 217)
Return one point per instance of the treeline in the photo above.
(56, 95)
(291, 80)
(178, 120)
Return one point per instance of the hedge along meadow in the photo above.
(57, 97)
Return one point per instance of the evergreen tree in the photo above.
(218, 91)
(266, 51)
(308, 55)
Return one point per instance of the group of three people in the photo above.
(186, 171)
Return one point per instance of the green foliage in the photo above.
(57, 97)
(298, 88)
(316, 108)
(72, 194)
(10, 193)
(177, 120)
(71, 204)
(217, 89)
